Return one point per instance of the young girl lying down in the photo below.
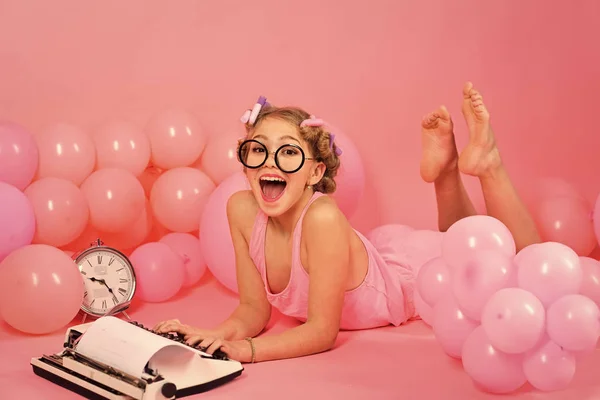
(296, 251)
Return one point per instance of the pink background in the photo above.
(371, 68)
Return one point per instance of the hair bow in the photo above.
(314, 121)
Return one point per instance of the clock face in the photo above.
(108, 278)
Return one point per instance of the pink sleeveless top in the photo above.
(383, 298)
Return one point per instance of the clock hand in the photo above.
(102, 281)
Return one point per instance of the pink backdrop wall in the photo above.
(373, 68)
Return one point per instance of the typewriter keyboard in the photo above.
(218, 354)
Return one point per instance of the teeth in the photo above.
(272, 179)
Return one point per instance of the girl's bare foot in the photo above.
(439, 148)
(481, 156)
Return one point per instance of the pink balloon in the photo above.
(423, 309)
(350, 178)
(433, 281)
(219, 158)
(17, 220)
(550, 187)
(66, 152)
(215, 238)
(567, 220)
(451, 327)
(513, 320)
(490, 368)
(159, 272)
(548, 367)
(477, 232)
(176, 139)
(549, 270)
(134, 235)
(61, 211)
(573, 322)
(187, 246)
(41, 289)
(115, 198)
(122, 145)
(18, 155)
(590, 283)
(596, 219)
(178, 198)
(482, 275)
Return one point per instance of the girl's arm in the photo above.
(254, 311)
(326, 235)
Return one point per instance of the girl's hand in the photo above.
(239, 350)
(175, 326)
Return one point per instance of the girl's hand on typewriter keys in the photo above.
(186, 331)
(238, 350)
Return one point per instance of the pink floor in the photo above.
(387, 363)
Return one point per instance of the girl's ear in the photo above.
(317, 174)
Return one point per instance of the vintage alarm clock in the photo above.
(108, 278)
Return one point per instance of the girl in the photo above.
(296, 251)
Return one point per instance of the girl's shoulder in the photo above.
(242, 209)
(324, 213)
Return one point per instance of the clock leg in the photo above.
(127, 316)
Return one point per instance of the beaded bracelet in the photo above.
(249, 339)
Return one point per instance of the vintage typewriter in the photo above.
(93, 379)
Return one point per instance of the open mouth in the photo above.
(272, 187)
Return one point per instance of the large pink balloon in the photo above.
(433, 281)
(590, 283)
(567, 220)
(493, 370)
(18, 155)
(41, 289)
(67, 152)
(549, 270)
(513, 320)
(176, 139)
(17, 219)
(159, 272)
(573, 322)
(482, 275)
(219, 158)
(215, 238)
(596, 219)
(477, 232)
(350, 178)
(187, 246)
(121, 144)
(61, 211)
(451, 326)
(115, 198)
(178, 198)
(549, 367)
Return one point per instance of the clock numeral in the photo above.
(89, 263)
(83, 273)
(122, 291)
(92, 303)
(112, 260)
(123, 280)
(104, 304)
(99, 259)
(119, 269)
(85, 294)
(114, 299)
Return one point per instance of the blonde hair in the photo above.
(317, 137)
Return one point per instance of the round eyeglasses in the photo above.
(289, 158)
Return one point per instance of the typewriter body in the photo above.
(94, 379)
